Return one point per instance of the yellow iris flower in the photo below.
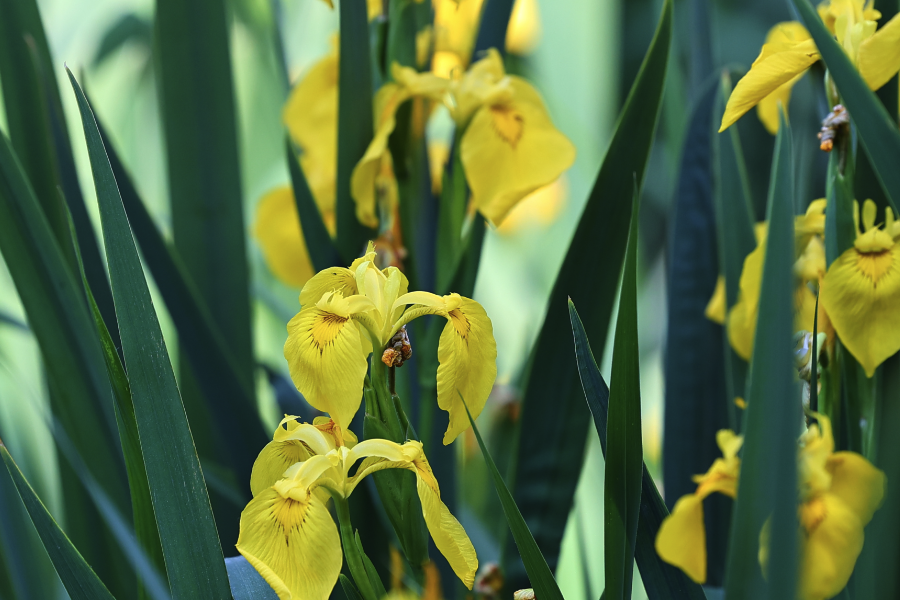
(862, 288)
(347, 312)
(681, 539)
(789, 52)
(286, 531)
(839, 492)
(741, 320)
(510, 147)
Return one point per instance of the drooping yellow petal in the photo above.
(278, 231)
(773, 68)
(448, 535)
(781, 36)
(273, 461)
(293, 544)
(310, 115)
(326, 355)
(860, 294)
(834, 539)
(715, 308)
(467, 354)
(332, 279)
(540, 208)
(879, 55)
(681, 540)
(510, 150)
(857, 483)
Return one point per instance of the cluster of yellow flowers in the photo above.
(789, 51)
(839, 493)
(509, 147)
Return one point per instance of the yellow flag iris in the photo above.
(510, 147)
(286, 531)
(789, 52)
(681, 540)
(348, 312)
(840, 492)
(862, 288)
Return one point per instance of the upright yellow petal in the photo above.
(715, 308)
(834, 539)
(879, 55)
(467, 354)
(681, 539)
(510, 150)
(448, 535)
(857, 483)
(293, 544)
(772, 69)
(278, 231)
(860, 295)
(327, 360)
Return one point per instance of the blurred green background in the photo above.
(586, 58)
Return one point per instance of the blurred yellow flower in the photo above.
(510, 147)
(346, 313)
(861, 290)
(310, 115)
(715, 309)
(524, 31)
(681, 540)
(789, 52)
(287, 533)
(277, 229)
(540, 207)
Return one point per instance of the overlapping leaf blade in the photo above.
(187, 530)
(768, 478)
(661, 581)
(877, 129)
(319, 244)
(246, 582)
(545, 482)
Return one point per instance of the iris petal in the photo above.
(277, 229)
(857, 483)
(293, 544)
(332, 279)
(879, 55)
(681, 540)
(273, 461)
(831, 548)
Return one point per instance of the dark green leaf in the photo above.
(355, 122)
(80, 580)
(696, 405)
(349, 589)
(661, 580)
(494, 23)
(205, 188)
(877, 129)
(127, 29)
(539, 573)
(246, 582)
(840, 229)
(624, 452)
(768, 479)
(319, 244)
(545, 482)
(186, 526)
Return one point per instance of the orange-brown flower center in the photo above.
(325, 328)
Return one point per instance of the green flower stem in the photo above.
(351, 551)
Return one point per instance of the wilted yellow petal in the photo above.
(310, 116)
(278, 231)
(681, 540)
(857, 483)
(293, 544)
(467, 354)
(773, 68)
(448, 535)
(834, 539)
(879, 55)
(326, 355)
(860, 294)
(509, 150)
(715, 308)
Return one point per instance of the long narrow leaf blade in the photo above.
(539, 574)
(79, 579)
(545, 482)
(768, 479)
(877, 129)
(661, 581)
(319, 244)
(246, 582)
(187, 530)
(624, 450)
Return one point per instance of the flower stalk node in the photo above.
(836, 124)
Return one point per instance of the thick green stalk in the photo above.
(351, 552)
